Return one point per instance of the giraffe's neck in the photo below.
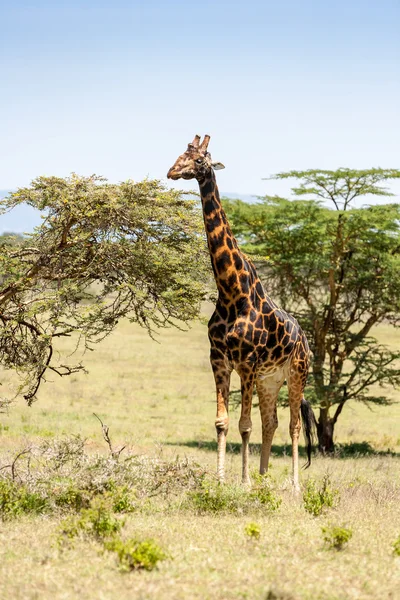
(228, 263)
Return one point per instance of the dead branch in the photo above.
(106, 435)
(12, 466)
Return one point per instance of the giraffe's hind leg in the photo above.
(267, 391)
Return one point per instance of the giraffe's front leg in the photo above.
(245, 424)
(222, 376)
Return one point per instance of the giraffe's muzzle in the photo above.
(173, 174)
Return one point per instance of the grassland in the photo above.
(158, 398)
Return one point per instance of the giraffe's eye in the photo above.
(199, 161)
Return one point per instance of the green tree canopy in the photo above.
(337, 268)
(102, 252)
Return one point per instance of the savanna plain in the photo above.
(157, 398)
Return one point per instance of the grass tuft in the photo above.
(134, 554)
(396, 547)
(336, 537)
(253, 530)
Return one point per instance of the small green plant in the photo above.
(263, 493)
(253, 530)
(336, 537)
(213, 497)
(72, 498)
(134, 554)
(96, 521)
(396, 547)
(16, 500)
(121, 498)
(317, 498)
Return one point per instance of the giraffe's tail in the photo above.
(309, 428)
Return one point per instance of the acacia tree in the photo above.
(337, 268)
(102, 252)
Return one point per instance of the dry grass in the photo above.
(159, 399)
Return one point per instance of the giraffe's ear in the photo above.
(217, 166)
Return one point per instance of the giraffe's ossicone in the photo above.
(248, 332)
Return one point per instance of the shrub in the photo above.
(396, 547)
(263, 493)
(96, 521)
(121, 498)
(16, 500)
(336, 537)
(213, 497)
(72, 497)
(253, 530)
(134, 554)
(67, 478)
(317, 498)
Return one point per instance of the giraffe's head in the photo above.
(195, 163)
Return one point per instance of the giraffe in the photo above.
(248, 332)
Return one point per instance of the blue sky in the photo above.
(119, 88)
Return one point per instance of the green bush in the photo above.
(133, 554)
(72, 497)
(263, 493)
(253, 530)
(317, 498)
(16, 500)
(396, 547)
(96, 521)
(336, 537)
(121, 498)
(213, 498)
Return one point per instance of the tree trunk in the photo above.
(325, 428)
